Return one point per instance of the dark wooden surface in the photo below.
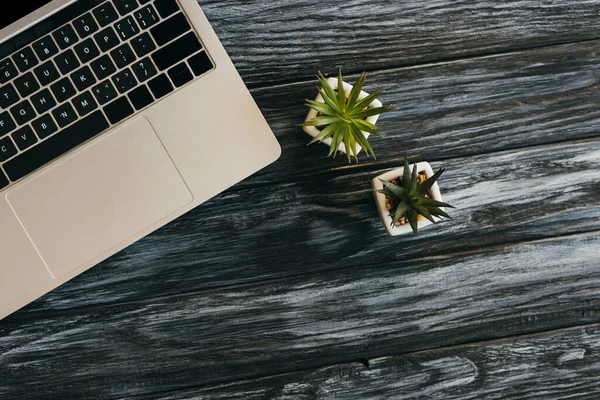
(287, 286)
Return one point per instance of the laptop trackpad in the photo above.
(99, 198)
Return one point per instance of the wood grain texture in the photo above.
(290, 40)
(558, 365)
(263, 227)
(290, 270)
(304, 322)
(450, 110)
(331, 222)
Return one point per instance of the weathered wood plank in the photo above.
(559, 365)
(301, 322)
(285, 41)
(453, 109)
(331, 222)
(305, 201)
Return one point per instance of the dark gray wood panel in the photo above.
(558, 365)
(301, 322)
(452, 109)
(282, 41)
(331, 222)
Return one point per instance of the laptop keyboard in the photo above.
(85, 69)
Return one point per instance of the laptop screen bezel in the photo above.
(35, 16)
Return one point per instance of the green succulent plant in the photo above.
(342, 117)
(411, 199)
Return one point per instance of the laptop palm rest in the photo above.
(100, 197)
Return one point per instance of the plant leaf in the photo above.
(331, 102)
(356, 90)
(413, 178)
(397, 191)
(362, 140)
(364, 103)
(438, 212)
(427, 202)
(320, 107)
(353, 147)
(369, 112)
(324, 120)
(326, 88)
(366, 126)
(386, 192)
(400, 212)
(341, 95)
(424, 187)
(347, 141)
(406, 173)
(337, 140)
(324, 134)
(413, 219)
(424, 212)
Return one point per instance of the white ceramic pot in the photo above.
(313, 131)
(380, 198)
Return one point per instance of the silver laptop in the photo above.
(116, 116)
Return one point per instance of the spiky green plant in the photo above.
(411, 199)
(343, 118)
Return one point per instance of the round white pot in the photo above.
(380, 198)
(313, 131)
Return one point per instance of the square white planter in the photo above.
(380, 198)
(313, 131)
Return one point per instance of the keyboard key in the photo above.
(200, 63)
(24, 137)
(146, 17)
(25, 59)
(85, 103)
(83, 78)
(170, 29)
(56, 146)
(64, 115)
(144, 69)
(107, 39)
(7, 149)
(176, 51)
(7, 70)
(85, 25)
(166, 7)
(124, 81)
(118, 110)
(6, 123)
(23, 112)
(8, 96)
(125, 6)
(127, 28)
(160, 86)
(65, 36)
(46, 73)
(3, 181)
(26, 84)
(105, 14)
(180, 74)
(122, 56)
(63, 90)
(87, 51)
(44, 126)
(143, 44)
(66, 62)
(140, 97)
(45, 48)
(104, 92)
(103, 67)
(43, 101)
